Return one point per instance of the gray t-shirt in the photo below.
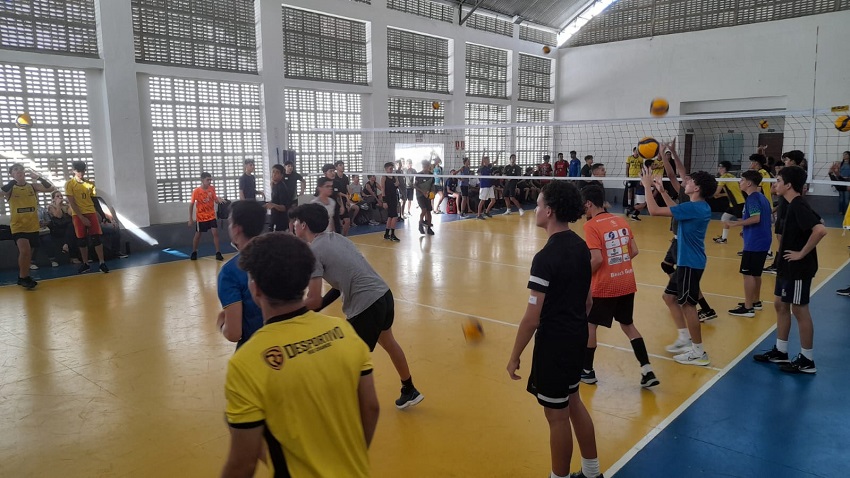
(343, 266)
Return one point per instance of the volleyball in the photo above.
(842, 123)
(436, 105)
(355, 197)
(546, 49)
(431, 195)
(23, 120)
(648, 148)
(763, 124)
(659, 107)
(472, 330)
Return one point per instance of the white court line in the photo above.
(693, 398)
(509, 324)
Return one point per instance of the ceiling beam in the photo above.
(460, 10)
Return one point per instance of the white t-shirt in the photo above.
(330, 207)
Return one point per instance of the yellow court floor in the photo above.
(121, 374)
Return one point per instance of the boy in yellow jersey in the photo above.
(202, 215)
(633, 163)
(303, 382)
(732, 191)
(80, 193)
(758, 162)
(23, 201)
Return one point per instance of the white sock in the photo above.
(698, 349)
(725, 233)
(553, 475)
(590, 467)
(807, 353)
(684, 334)
(645, 369)
(782, 346)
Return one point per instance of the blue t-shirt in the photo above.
(232, 288)
(692, 219)
(575, 168)
(759, 236)
(438, 171)
(485, 171)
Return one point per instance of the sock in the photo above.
(807, 353)
(588, 358)
(407, 384)
(782, 346)
(724, 234)
(684, 334)
(645, 369)
(386, 232)
(590, 467)
(698, 349)
(639, 348)
(553, 475)
(703, 304)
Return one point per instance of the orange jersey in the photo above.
(611, 235)
(204, 200)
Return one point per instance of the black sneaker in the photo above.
(429, 230)
(706, 315)
(773, 356)
(634, 217)
(742, 311)
(756, 305)
(421, 227)
(84, 267)
(648, 380)
(121, 255)
(588, 377)
(27, 282)
(720, 240)
(194, 256)
(771, 269)
(218, 256)
(844, 292)
(580, 474)
(394, 239)
(740, 253)
(488, 214)
(408, 398)
(103, 268)
(800, 365)
(386, 237)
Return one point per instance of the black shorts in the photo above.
(464, 191)
(424, 202)
(752, 263)
(410, 194)
(793, 291)
(736, 210)
(32, 237)
(556, 369)
(510, 188)
(687, 284)
(377, 318)
(392, 206)
(204, 226)
(670, 258)
(607, 309)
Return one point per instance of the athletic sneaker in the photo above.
(720, 240)
(488, 214)
(27, 282)
(83, 268)
(580, 474)
(103, 268)
(844, 292)
(740, 253)
(800, 365)
(479, 217)
(394, 239)
(706, 315)
(773, 356)
(421, 227)
(33, 267)
(742, 311)
(521, 212)
(507, 212)
(771, 269)
(429, 230)
(588, 377)
(408, 398)
(756, 305)
(691, 358)
(634, 217)
(194, 256)
(218, 256)
(648, 380)
(679, 346)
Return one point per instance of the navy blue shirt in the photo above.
(485, 171)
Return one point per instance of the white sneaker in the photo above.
(33, 267)
(691, 358)
(679, 346)
(521, 212)
(54, 264)
(507, 213)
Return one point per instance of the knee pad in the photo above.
(727, 217)
(668, 268)
(81, 242)
(95, 240)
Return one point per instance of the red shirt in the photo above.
(611, 235)
(561, 168)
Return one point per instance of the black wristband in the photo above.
(328, 298)
(45, 182)
(8, 187)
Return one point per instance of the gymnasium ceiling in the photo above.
(551, 13)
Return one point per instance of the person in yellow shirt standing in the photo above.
(81, 193)
(303, 382)
(732, 191)
(633, 164)
(23, 200)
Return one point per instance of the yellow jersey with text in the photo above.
(83, 194)
(765, 186)
(24, 205)
(733, 190)
(299, 375)
(634, 164)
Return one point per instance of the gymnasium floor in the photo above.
(121, 375)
